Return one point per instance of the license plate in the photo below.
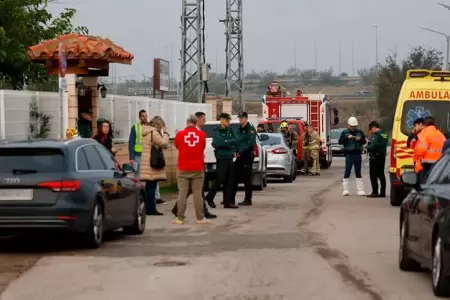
(13, 195)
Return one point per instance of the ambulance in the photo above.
(423, 93)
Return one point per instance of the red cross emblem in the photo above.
(191, 139)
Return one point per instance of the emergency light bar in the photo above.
(427, 74)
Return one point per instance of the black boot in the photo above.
(372, 195)
(208, 215)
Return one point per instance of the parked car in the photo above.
(74, 186)
(336, 149)
(362, 93)
(425, 225)
(259, 177)
(280, 158)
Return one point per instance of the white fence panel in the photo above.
(49, 104)
(121, 110)
(17, 114)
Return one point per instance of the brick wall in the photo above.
(170, 155)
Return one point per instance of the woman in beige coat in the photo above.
(152, 135)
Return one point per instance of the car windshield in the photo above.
(274, 139)
(31, 160)
(335, 134)
(209, 128)
(414, 109)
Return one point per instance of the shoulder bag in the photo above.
(157, 160)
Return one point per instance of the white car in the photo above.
(259, 177)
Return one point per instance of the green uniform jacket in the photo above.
(378, 146)
(246, 140)
(352, 146)
(224, 143)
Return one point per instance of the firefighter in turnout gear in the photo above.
(290, 136)
(314, 148)
(306, 153)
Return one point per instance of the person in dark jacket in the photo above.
(104, 136)
(85, 124)
(224, 144)
(412, 138)
(353, 140)
(246, 141)
(377, 160)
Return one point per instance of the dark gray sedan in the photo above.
(75, 186)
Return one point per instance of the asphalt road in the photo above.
(299, 241)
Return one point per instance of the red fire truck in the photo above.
(314, 109)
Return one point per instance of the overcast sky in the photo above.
(147, 28)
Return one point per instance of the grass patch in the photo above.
(168, 190)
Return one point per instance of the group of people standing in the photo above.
(353, 139)
(428, 144)
(233, 151)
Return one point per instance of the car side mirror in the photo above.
(410, 179)
(127, 168)
(263, 137)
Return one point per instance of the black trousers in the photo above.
(243, 173)
(205, 207)
(423, 174)
(376, 172)
(225, 175)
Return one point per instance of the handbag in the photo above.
(157, 160)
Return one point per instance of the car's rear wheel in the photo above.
(405, 262)
(441, 282)
(138, 226)
(289, 178)
(397, 196)
(93, 237)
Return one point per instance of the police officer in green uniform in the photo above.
(246, 140)
(224, 144)
(377, 159)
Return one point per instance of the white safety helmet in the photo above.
(352, 121)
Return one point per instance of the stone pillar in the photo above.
(213, 102)
(90, 83)
(227, 105)
(72, 100)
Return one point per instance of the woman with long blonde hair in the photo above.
(152, 169)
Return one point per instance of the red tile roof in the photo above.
(79, 47)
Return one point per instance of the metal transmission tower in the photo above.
(192, 50)
(234, 72)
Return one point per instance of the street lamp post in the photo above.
(353, 58)
(376, 45)
(447, 40)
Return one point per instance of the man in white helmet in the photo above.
(353, 140)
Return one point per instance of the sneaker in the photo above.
(203, 221)
(160, 201)
(178, 221)
(345, 193)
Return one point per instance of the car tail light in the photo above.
(256, 150)
(61, 185)
(279, 151)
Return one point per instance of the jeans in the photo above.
(157, 194)
(350, 161)
(150, 201)
(137, 165)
